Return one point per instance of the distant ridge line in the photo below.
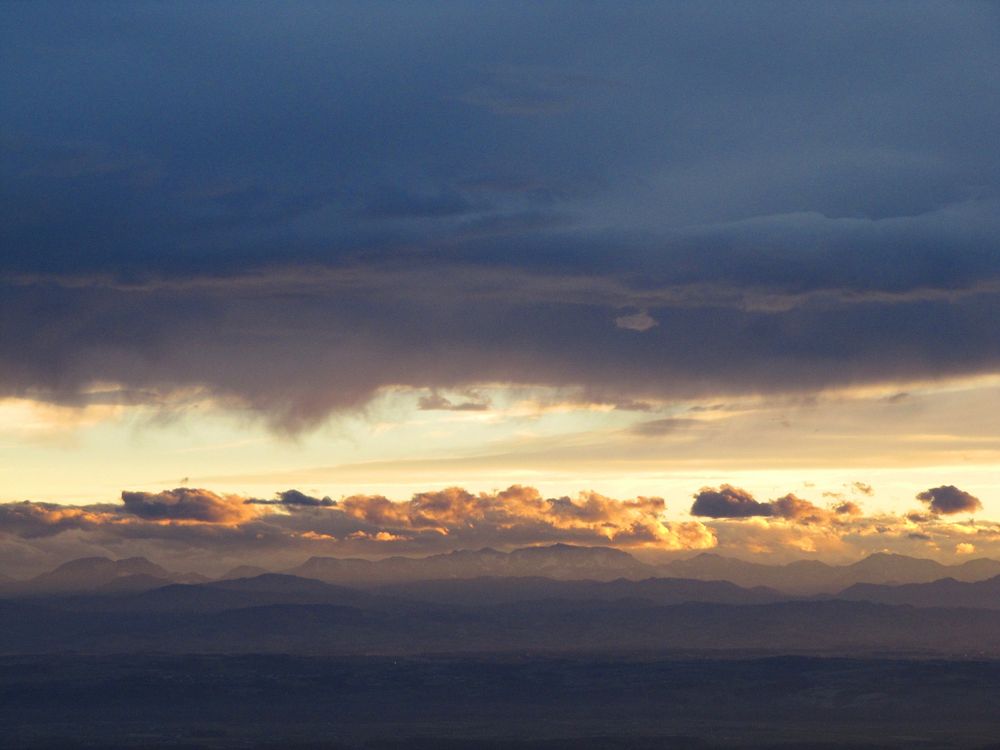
(558, 562)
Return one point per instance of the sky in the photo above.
(589, 262)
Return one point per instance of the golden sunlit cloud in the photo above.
(218, 528)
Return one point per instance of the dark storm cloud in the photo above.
(296, 353)
(949, 499)
(728, 502)
(733, 502)
(291, 206)
(185, 504)
(295, 498)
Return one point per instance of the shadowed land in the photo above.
(93, 657)
(513, 700)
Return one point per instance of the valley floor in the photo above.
(528, 701)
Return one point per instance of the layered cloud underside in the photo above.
(294, 345)
(709, 214)
(211, 530)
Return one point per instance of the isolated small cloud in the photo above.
(640, 321)
(728, 502)
(948, 499)
(847, 508)
(964, 548)
(294, 498)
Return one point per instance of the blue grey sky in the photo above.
(786, 194)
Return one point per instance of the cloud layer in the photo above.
(199, 528)
(185, 504)
(709, 214)
(207, 526)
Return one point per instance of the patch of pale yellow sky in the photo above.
(899, 437)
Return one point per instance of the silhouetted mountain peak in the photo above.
(567, 561)
(891, 558)
(572, 552)
(813, 576)
(895, 558)
(133, 583)
(124, 567)
(243, 571)
(943, 592)
(277, 582)
(977, 569)
(82, 563)
(808, 565)
(483, 552)
(92, 573)
(552, 561)
(886, 567)
(327, 560)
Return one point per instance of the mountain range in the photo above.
(946, 592)
(555, 562)
(102, 574)
(558, 561)
(811, 576)
(445, 603)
